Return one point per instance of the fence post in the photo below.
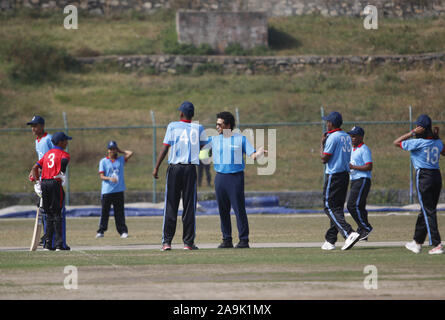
(411, 184)
(323, 130)
(67, 173)
(154, 154)
(237, 118)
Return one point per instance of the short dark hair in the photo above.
(228, 118)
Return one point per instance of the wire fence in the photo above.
(297, 163)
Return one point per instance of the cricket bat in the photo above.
(37, 231)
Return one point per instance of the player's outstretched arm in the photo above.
(258, 153)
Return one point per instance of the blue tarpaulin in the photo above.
(254, 205)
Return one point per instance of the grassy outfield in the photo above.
(155, 34)
(261, 273)
(105, 99)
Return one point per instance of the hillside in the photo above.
(101, 97)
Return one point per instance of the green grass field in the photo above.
(256, 273)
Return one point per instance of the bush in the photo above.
(235, 49)
(32, 61)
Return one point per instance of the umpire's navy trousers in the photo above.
(229, 189)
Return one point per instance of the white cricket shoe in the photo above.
(124, 235)
(328, 246)
(351, 240)
(413, 246)
(99, 235)
(436, 250)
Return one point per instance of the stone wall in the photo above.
(158, 64)
(388, 8)
(220, 29)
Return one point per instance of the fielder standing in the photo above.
(185, 140)
(336, 153)
(360, 176)
(111, 171)
(53, 167)
(43, 145)
(426, 148)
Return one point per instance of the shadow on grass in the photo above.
(279, 40)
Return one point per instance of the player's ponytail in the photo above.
(429, 133)
(435, 133)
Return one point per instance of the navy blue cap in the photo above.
(424, 121)
(188, 109)
(59, 136)
(335, 118)
(357, 131)
(112, 144)
(36, 120)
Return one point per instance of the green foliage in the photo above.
(235, 49)
(34, 61)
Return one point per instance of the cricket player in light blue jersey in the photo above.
(184, 139)
(335, 152)
(360, 176)
(43, 145)
(425, 147)
(111, 171)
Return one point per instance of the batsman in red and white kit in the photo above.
(53, 166)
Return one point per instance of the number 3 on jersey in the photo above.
(51, 160)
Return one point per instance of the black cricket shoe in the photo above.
(243, 244)
(364, 235)
(225, 245)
